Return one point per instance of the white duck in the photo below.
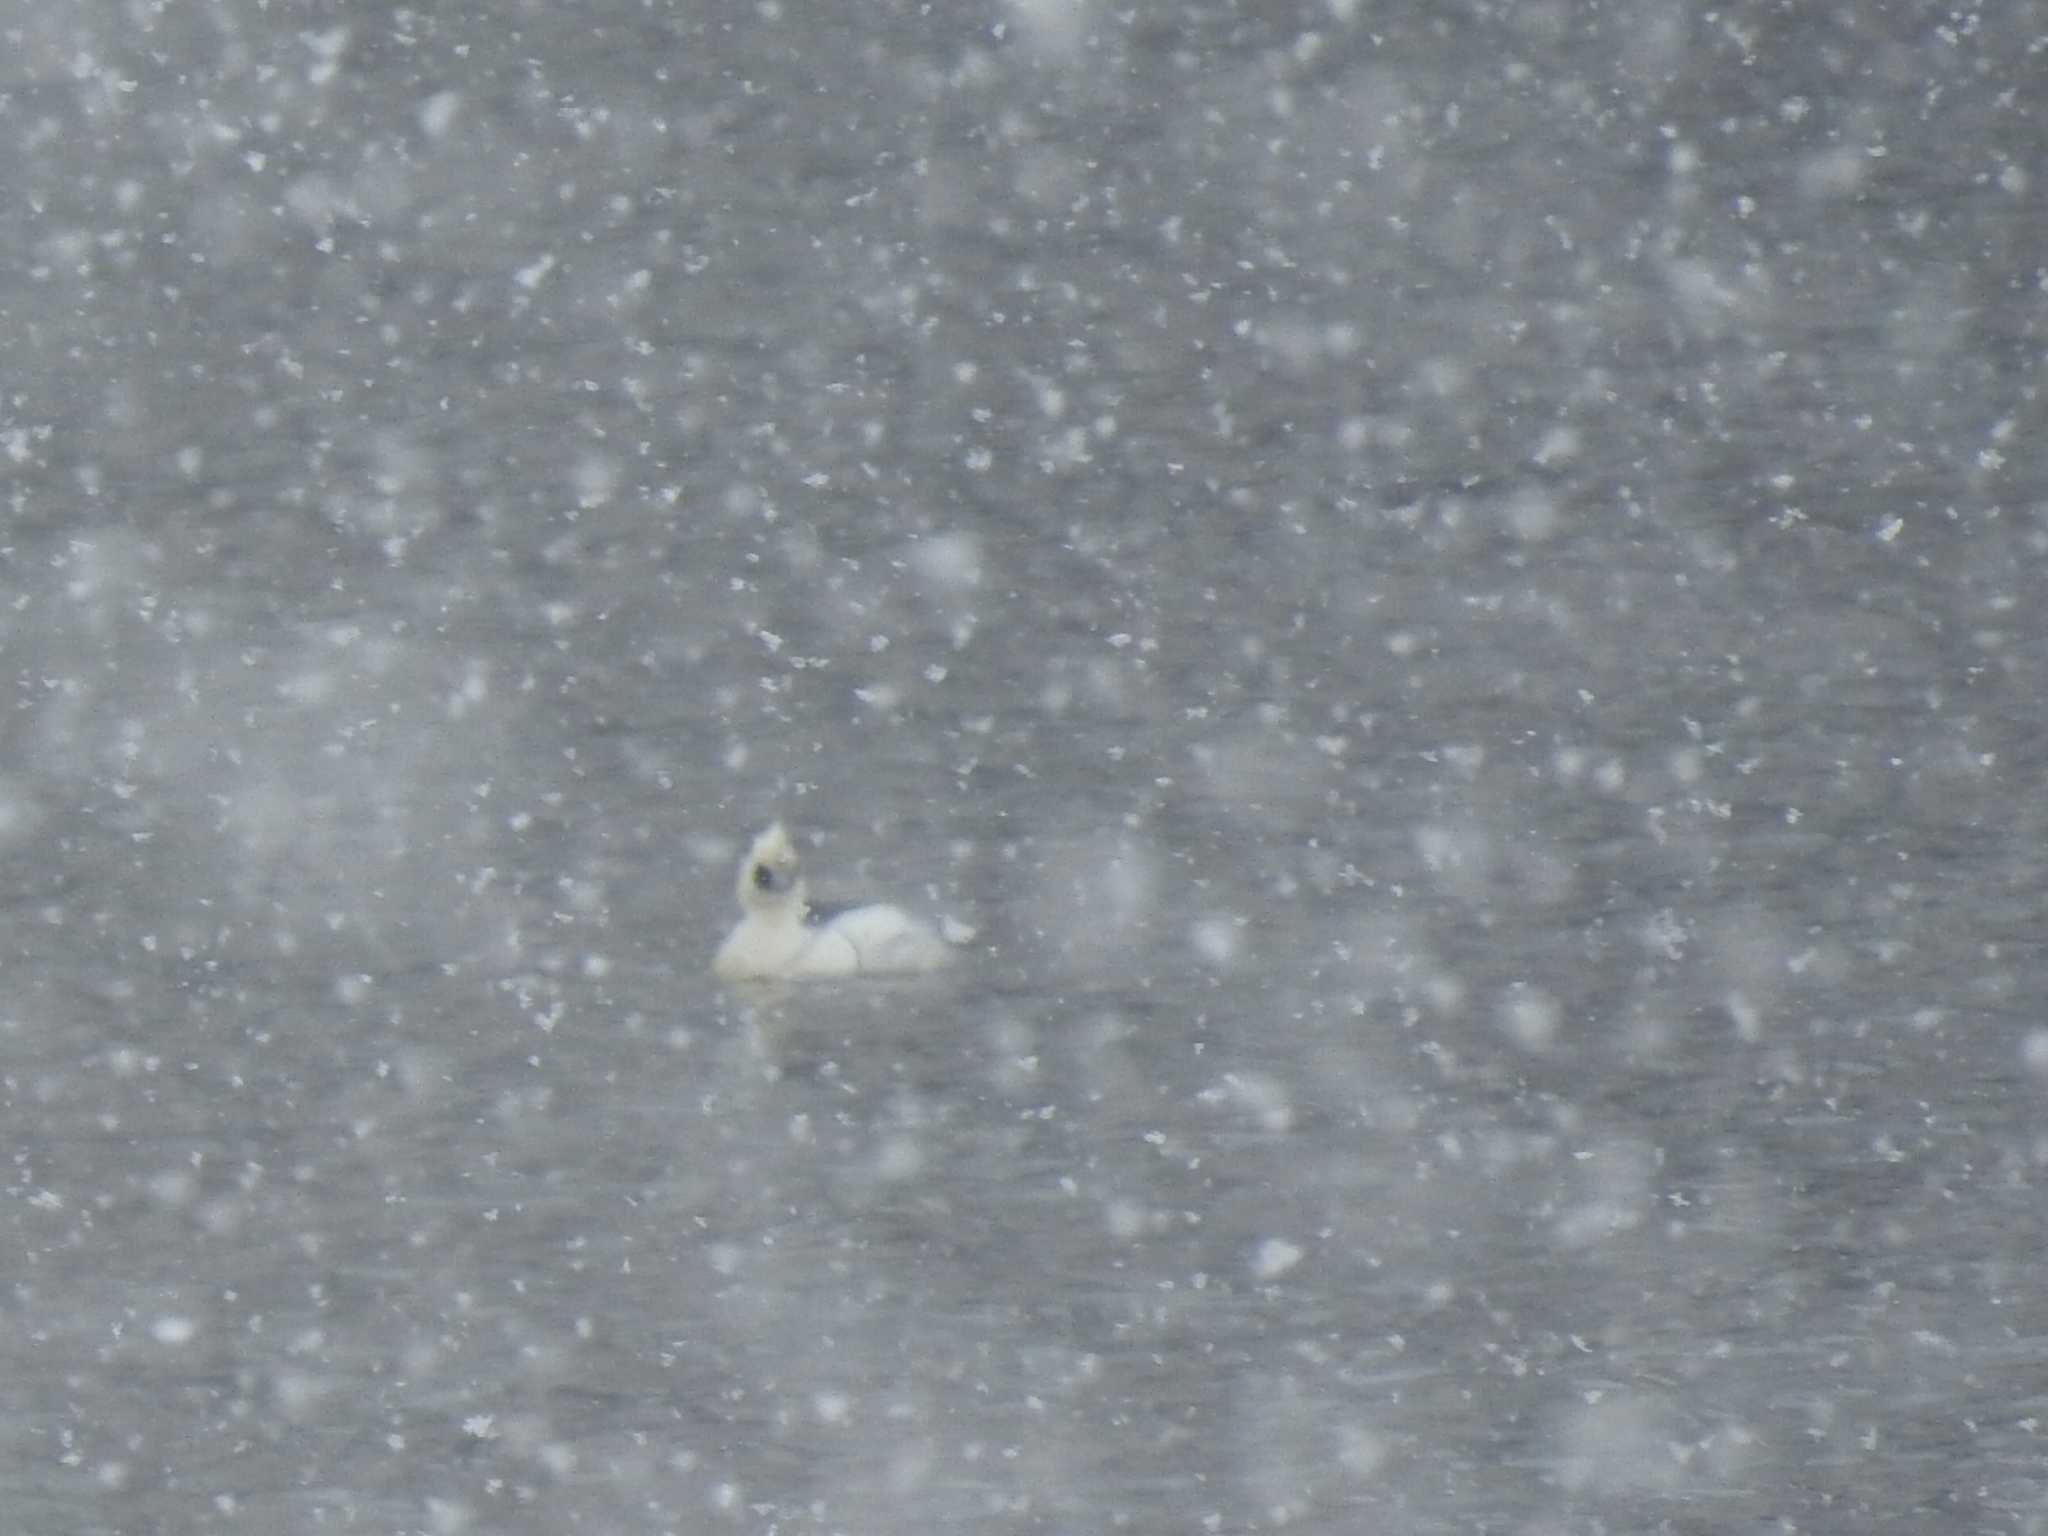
(780, 935)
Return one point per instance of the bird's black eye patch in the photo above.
(768, 878)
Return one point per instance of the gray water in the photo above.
(1454, 594)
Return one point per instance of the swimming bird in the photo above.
(782, 935)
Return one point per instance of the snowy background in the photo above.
(1455, 589)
